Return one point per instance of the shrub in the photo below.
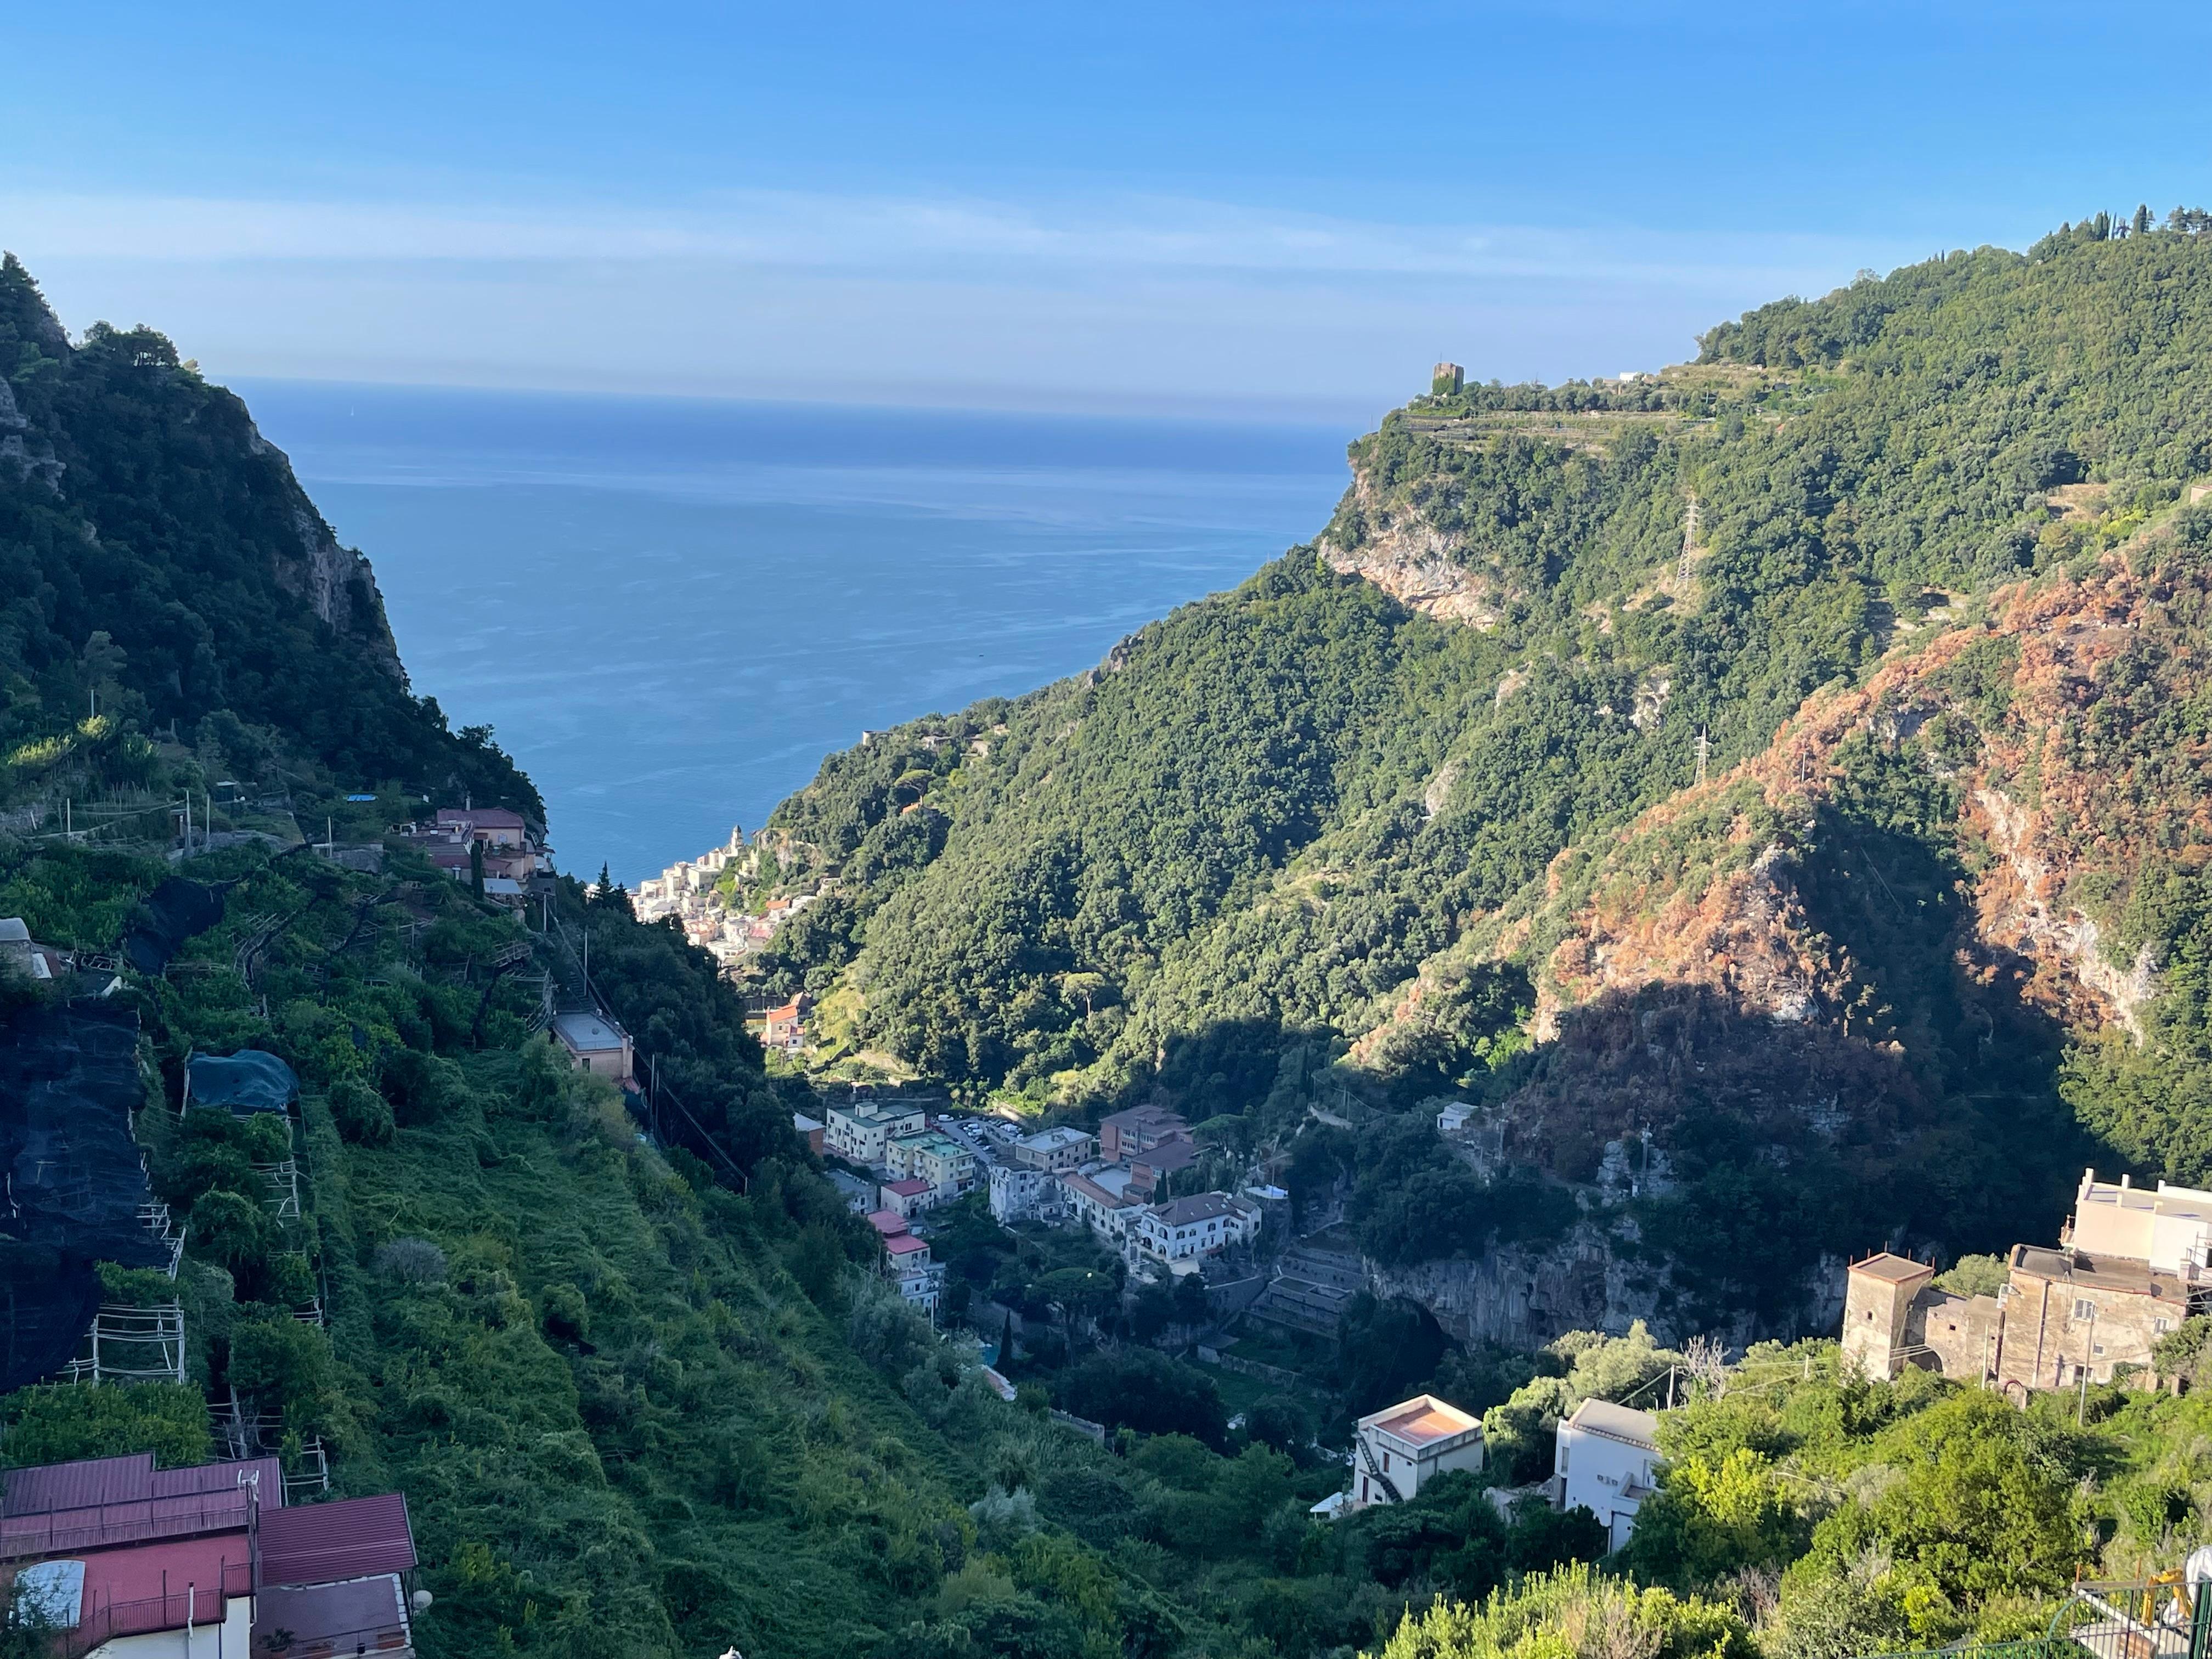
(55, 1423)
(282, 1365)
(362, 1115)
(410, 1262)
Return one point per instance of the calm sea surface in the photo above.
(669, 611)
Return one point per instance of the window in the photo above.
(2162, 1326)
(2084, 1309)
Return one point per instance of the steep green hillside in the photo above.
(645, 1395)
(1207, 868)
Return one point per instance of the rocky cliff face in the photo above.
(1768, 956)
(339, 584)
(1522, 1298)
(1410, 559)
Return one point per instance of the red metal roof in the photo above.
(223, 1477)
(323, 1543)
(111, 1500)
(82, 1484)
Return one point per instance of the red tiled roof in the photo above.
(910, 1188)
(905, 1244)
(322, 1543)
(890, 1223)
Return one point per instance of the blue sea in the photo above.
(671, 610)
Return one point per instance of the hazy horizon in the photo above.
(1240, 210)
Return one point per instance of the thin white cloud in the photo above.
(797, 230)
(1124, 302)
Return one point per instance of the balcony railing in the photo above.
(194, 1606)
(2146, 1618)
(96, 1528)
(387, 1641)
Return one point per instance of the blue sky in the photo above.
(1194, 208)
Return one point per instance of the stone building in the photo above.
(2068, 1313)
(2062, 1313)
(1894, 1316)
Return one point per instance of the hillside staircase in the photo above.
(1311, 1289)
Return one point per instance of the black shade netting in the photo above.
(74, 1181)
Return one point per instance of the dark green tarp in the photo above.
(173, 912)
(247, 1081)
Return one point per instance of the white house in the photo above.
(2169, 1227)
(1453, 1119)
(1055, 1151)
(1024, 1194)
(1603, 1461)
(1100, 1201)
(862, 1130)
(1399, 1450)
(1188, 1227)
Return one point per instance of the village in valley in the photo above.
(2092, 1307)
(1142, 1193)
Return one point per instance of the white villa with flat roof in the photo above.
(1602, 1461)
(1400, 1449)
(2169, 1227)
(862, 1130)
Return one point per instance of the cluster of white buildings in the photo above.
(691, 890)
(1605, 1459)
(1118, 1184)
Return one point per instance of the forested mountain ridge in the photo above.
(1205, 870)
(159, 565)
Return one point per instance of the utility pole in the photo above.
(1689, 539)
(1704, 747)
